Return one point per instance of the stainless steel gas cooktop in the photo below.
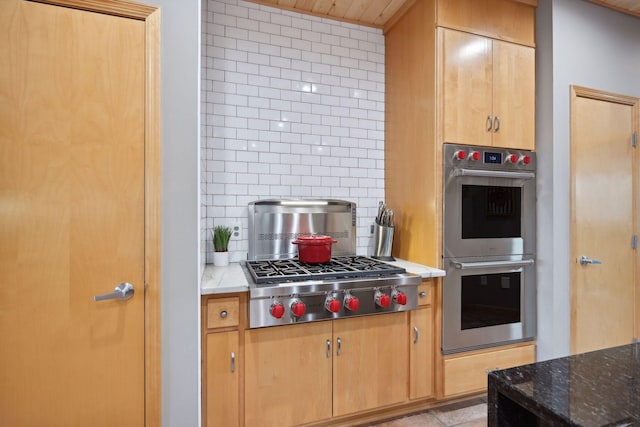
(285, 290)
(292, 270)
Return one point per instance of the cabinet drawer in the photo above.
(425, 293)
(466, 374)
(222, 312)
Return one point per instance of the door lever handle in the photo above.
(584, 260)
(123, 291)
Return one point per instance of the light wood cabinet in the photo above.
(425, 292)
(288, 374)
(488, 91)
(221, 361)
(222, 380)
(449, 66)
(370, 362)
(437, 89)
(421, 354)
(303, 373)
(505, 20)
(467, 373)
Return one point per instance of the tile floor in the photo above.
(470, 413)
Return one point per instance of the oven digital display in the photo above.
(495, 158)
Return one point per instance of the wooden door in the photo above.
(288, 374)
(72, 217)
(369, 363)
(222, 379)
(603, 219)
(421, 365)
(466, 80)
(514, 96)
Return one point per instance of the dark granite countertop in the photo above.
(599, 388)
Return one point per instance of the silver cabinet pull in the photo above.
(422, 294)
(233, 362)
(339, 346)
(415, 335)
(123, 291)
(223, 314)
(584, 260)
(496, 122)
(489, 123)
(328, 349)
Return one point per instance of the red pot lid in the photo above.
(314, 240)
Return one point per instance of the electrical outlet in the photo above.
(236, 227)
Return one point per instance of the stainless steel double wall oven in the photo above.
(489, 292)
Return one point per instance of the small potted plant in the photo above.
(221, 236)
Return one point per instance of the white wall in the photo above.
(180, 76)
(578, 43)
(293, 106)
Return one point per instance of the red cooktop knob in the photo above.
(513, 158)
(277, 310)
(525, 159)
(460, 155)
(298, 308)
(333, 305)
(352, 303)
(475, 155)
(400, 298)
(383, 300)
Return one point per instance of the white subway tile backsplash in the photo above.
(259, 15)
(293, 106)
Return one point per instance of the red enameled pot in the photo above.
(314, 249)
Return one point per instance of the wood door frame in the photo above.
(599, 95)
(152, 189)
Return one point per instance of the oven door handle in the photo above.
(493, 174)
(491, 264)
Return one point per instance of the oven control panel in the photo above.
(492, 158)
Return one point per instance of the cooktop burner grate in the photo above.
(292, 270)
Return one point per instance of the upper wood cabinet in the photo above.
(499, 19)
(487, 91)
(437, 89)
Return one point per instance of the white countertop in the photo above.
(234, 278)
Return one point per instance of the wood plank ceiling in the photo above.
(376, 13)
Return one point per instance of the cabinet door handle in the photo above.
(339, 346)
(328, 349)
(496, 124)
(422, 294)
(415, 335)
(489, 123)
(233, 362)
